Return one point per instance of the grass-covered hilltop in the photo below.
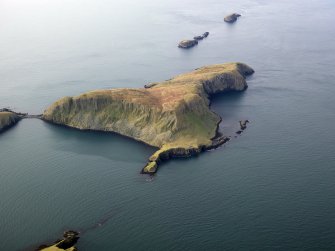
(8, 119)
(173, 115)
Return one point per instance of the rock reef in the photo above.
(243, 126)
(172, 115)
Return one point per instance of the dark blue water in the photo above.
(270, 189)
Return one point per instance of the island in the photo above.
(8, 119)
(232, 18)
(173, 115)
(185, 44)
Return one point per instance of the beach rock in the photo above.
(231, 18)
(185, 44)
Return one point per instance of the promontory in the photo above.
(173, 115)
(7, 119)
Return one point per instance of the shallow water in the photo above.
(271, 188)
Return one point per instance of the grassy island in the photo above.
(172, 115)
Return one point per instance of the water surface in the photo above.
(270, 189)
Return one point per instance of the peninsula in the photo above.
(173, 115)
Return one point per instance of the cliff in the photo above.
(172, 115)
(8, 119)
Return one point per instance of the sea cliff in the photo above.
(8, 119)
(172, 115)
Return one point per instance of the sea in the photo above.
(270, 188)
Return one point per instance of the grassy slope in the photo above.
(173, 114)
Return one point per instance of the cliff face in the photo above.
(173, 115)
(7, 119)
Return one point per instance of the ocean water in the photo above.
(272, 188)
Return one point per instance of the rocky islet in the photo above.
(188, 43)
(232, 18)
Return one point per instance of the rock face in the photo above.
(185, 44)
(8, 119)
(231, 18)
(172, 115)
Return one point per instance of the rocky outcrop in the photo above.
(243, 126)
(198, 38)
(7, 120)
(185, 44)
(70, 238)
(232, 18)
(202, 36)
(172, 115)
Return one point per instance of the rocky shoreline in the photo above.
(152, 166)
(68, 242)
(217, 142)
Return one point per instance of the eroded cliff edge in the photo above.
(173, 115)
